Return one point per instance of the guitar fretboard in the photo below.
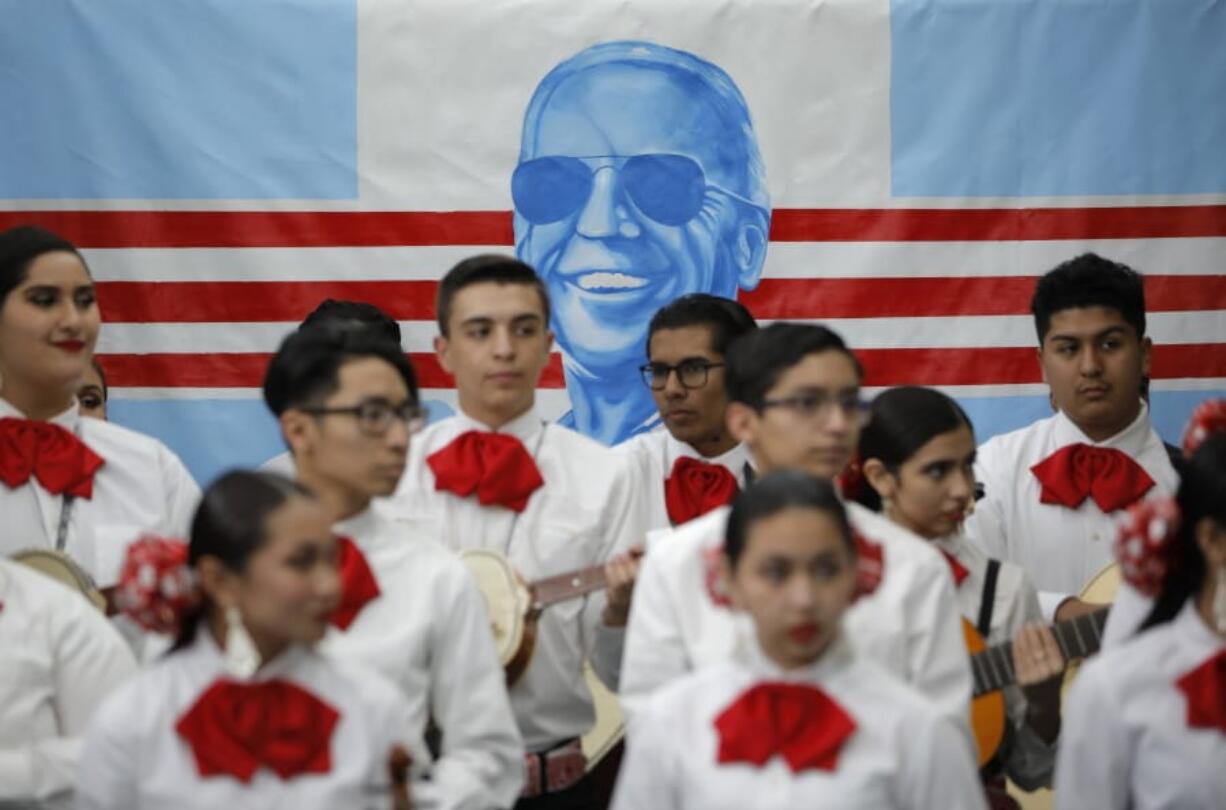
(1077, 638)
(567, 586)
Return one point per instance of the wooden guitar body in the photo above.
(988, 715)
(63, 569)
(508, 602)
(514, 606)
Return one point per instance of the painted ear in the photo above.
(750, 249)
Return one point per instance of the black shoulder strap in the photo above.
(984, 625)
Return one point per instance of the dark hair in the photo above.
(755, 361)
(1089, 281)
(902, 420)
(488, 267)
(93, 361)
(774, 492)
(1202, 494)
(337, 314)
(728, 319)
(306, 369)
(20, 246)
(230, 524)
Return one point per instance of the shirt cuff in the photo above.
(1049, 603)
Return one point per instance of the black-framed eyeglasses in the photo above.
(691, 373)
(820, 404)
(375, 415)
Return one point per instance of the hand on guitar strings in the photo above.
(620, 573)
(1038, 664)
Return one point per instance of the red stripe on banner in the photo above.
(290, 301)
(993, 366)
(247, 370)
(235, 229)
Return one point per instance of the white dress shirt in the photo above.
(1126, 743)
(143, 487)
(910, 624)
(1060, 548)
(1129, 610)
(134, 759)
(582, 516)
(652, 456)
(901, 754)
(1029, 760)
(59, 658)
(428, 633)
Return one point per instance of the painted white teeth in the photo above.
(611, 281)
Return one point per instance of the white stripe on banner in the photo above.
(967, 331)
(1190, 256)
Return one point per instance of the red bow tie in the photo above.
(494, 465)
(956, 568)
(1073, 473)
(696, 487)
(234, 728)
(870, 565)
(800, 722)
(60, 461)
(1205, 689)
(358, 584)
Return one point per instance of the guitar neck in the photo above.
(571, 585)
(1077, 638)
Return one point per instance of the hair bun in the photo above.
(1208, 418)
(156, 588)
(1143, 540)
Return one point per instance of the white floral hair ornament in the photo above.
(1141, 546)
(1208, 418)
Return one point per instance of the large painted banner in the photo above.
(901, 170)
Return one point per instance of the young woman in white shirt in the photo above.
(243, 712)
(85, 487)
(1145, 722)
(796, 718)
(917, 459)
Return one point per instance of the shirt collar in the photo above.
(362, 528)
(1191, 629)
(674, 449)
(1130, 440)
(66, 419)
(523, 427)
(205, 648)
(836, 658)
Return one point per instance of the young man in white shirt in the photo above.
(496, 476)
(59, 659)
(347, 405)
(1053, 491)
(693, 464)
(794, 400)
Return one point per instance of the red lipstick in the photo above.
(804, 633)
(70, 345)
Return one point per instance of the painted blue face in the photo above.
(631, 191)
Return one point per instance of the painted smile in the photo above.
(612, 281)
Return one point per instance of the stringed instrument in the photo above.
(65, 570)
(514, 607)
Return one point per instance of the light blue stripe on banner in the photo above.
(214, 435)
(1076, 97)
(178, 99)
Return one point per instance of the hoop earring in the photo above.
(241, 656)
